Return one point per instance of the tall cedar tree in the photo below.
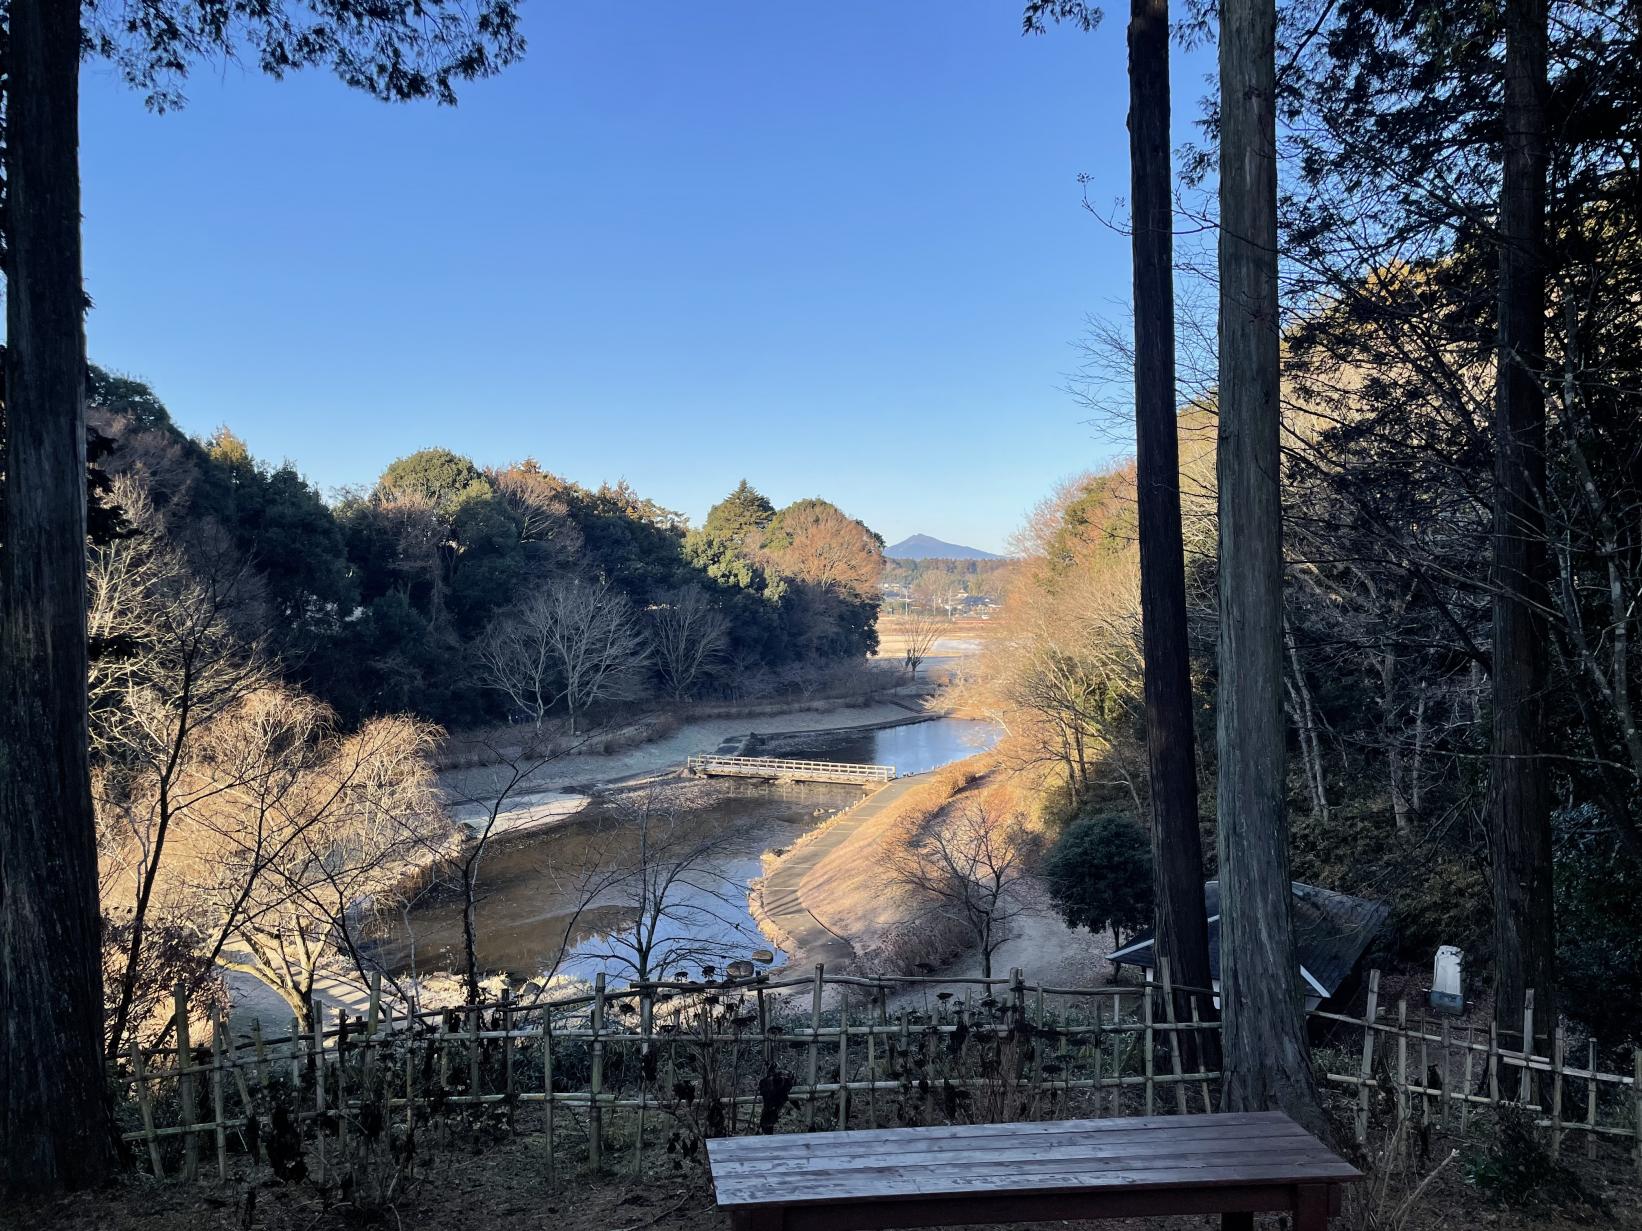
(56, 1126)
(55, 1121)
(1519, 789)
(1177, 845)
(1266, 1063)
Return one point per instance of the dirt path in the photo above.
(784, 900)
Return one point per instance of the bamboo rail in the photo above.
(604, 1065)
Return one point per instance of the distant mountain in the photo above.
(922, 547)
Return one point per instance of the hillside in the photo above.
(925, 547)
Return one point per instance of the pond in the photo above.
(579, 887)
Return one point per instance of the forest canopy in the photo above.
(378, 603)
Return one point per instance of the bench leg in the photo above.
(1237, 1222)
(1311, 1207)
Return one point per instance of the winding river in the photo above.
(549, 891)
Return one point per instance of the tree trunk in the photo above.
(1519, 793)
(55, 1121)
(1266, 1063)
(1177, 845)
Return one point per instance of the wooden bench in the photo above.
(1232, 1165)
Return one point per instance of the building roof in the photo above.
(1331, 933)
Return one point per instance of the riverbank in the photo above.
(561, 787)
(831, 898)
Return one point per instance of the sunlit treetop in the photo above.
(395, 50)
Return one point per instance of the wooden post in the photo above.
(1526, 1092)
(145, 1102)
(1174, 1035)
(185, 1083)
(219, 1104)
(1146, 1020)
(815, 1042)
(1366, 1073)
(595, 1117)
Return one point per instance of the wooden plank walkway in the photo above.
(785, 769)
(1233, 1165)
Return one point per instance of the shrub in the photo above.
(1100, 875)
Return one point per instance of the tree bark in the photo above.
(1266, 1063)
(55, 1120)
(1519, 792)
(1177, 845)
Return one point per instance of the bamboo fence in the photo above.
(623, 1074)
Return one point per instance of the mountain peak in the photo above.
(926, 547)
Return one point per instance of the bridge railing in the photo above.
(785, 767)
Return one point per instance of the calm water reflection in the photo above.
(531, 885)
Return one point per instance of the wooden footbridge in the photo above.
(781, 769)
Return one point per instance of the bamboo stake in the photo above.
(1146, 1017)
(219, 1104)
(1525, 1092)
(373, 1018)
(872, 1077)
(815, 1042)
(145, 1103)
(547, 1093)
(1465, 1100)
(1367, 1071)
(595, 1119)
(1174, 1035)
(296, 1057)
(1447, 1103)
(1636, 1095)
(185, 1084)
(1590, 1100)
(646, 1017)
(843, 1057)
(1197, 1021)
(474, 1082)
(1559, 1048)
(316, 1052)
(260, 1050)
(341, 1083)
(507, 1049)
(1424, 1074)
(1493, 1064)
(1402, 1059)
(1100, 1052)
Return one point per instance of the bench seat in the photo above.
(1231, 1164)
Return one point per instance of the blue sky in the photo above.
(836, 249)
